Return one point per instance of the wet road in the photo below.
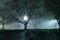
(29, 35)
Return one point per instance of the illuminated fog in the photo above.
(41, 23)
(38, 23)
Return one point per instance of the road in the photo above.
(28, 35)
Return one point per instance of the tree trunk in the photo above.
(25, 25)
(3, 24)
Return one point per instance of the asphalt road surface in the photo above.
(29, 35)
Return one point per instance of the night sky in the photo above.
(41, 13)
(29, 19)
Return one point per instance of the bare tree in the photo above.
(32, 8)
(6, 16)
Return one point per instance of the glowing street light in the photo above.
(25, 18)
(56, 24)
(55, 20)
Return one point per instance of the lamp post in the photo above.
(25, 25)
(25, 21)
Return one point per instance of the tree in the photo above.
(6, 16)
(32, 8)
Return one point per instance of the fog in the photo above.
(38, 23)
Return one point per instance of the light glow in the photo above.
(55, 20)
(43, 24)
(25, 18)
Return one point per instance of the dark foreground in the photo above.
(29, 35)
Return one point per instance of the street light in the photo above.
(25, 18)
(56, 24)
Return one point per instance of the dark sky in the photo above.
(35, 7)
(15, 9)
